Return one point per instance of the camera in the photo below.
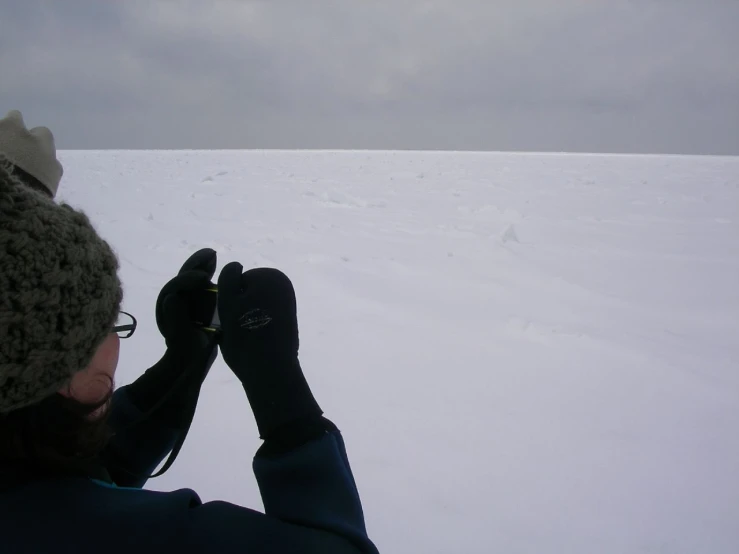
(204, 306)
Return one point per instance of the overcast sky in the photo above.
(658, 76)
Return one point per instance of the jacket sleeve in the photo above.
(311, 505)
(138, 444)
(313, 486)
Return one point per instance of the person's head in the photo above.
(31, 153)
(60, 297)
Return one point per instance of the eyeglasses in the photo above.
(125, 325)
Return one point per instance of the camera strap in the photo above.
(183, 385)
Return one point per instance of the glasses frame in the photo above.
(131, 327)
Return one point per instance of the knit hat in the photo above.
(32, 151)
(59, 293)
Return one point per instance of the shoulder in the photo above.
(85, 515)
(71, 498)
(147, 521)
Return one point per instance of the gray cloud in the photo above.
(577, 75)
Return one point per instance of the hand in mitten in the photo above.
(173, 384)
(259, 342)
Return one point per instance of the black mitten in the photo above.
(259, 342)
(172, 385)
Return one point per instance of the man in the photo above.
(59, 469)
(66, 487)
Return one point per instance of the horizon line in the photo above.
(408, 151)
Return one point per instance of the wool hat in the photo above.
(32, 151)
(60, 293)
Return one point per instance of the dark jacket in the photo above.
(310, 501)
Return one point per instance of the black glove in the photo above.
(171, 387)
(259, 342)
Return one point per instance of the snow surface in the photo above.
(527, 353)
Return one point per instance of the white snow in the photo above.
(529, 353)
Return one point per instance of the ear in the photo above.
(66, 390)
